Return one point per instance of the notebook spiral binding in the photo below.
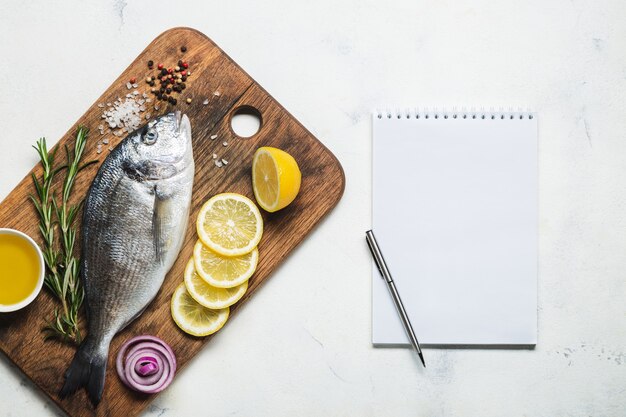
(471, 113)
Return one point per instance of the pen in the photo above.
(386, 275)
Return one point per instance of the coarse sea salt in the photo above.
(124, 114)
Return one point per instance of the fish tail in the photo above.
(87, 370)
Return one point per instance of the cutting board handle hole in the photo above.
(246, 121)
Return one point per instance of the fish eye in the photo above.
(150, 137)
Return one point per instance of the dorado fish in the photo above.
(134, 222)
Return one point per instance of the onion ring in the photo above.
(146, 364)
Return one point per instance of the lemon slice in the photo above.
(230, 224)
(193, 318)
(275, 178)
(224, 271)
(209, 296)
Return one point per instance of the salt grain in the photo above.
(105, 141)
(214, 156)
(129, 86)
(101, 105)
(218, 164)
(213, 137)
(217, 93)
(225, 162)
(205, 102)
(225, 143)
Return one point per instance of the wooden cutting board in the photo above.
(218, 79)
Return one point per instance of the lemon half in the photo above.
(276, 178)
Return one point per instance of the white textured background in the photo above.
(301, 346)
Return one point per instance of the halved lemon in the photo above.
(208, 295)
(223, 271)
(230, 224)
(194, 318)
(275, 178)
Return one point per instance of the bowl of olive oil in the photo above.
(22, 270)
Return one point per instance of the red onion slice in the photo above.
(146, 364)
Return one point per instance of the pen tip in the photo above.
(422, 359)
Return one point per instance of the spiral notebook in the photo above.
(455, 213)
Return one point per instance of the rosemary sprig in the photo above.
(62, 266)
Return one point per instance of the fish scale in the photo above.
(134, 223)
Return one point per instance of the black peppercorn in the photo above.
(183, 49)
(150, 64)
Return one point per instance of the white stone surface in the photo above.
(301, 346)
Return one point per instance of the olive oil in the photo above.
(19, 269)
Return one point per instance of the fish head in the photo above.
(160, 149)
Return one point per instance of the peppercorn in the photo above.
(168, 90)
(185, 65)
(178, 81)
(184, 78)
(188, 100)
(162, 89)
(183, 49)
(151, 83)
(150, 64)
(148, 79)
(159, 96)
(177, 68)
(163, 71)
(160, 66)
(183, 86)
(133, 80)
(183, 73)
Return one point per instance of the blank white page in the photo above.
(456, 216)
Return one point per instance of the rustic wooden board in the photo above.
(212, 70)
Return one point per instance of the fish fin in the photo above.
(87, 370)
(157, 226)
